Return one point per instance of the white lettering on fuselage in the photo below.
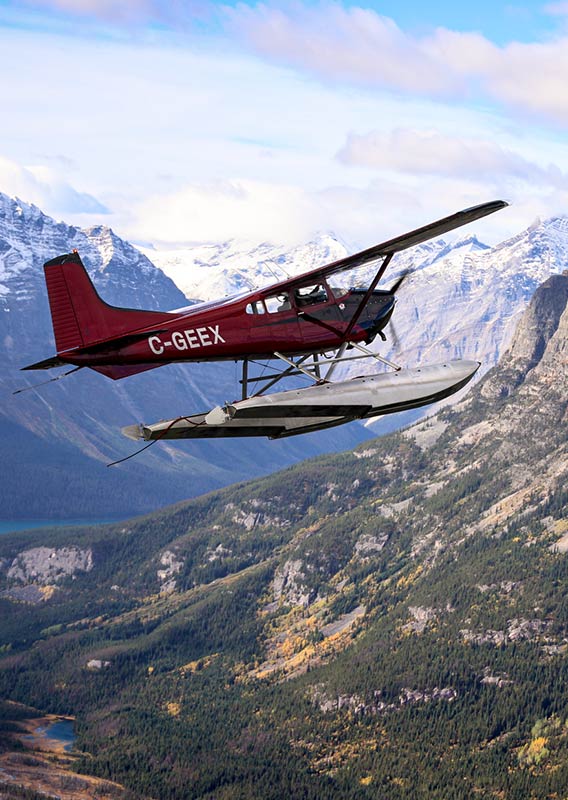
(194, 337)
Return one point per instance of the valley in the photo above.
(391, 620)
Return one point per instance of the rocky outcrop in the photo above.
(172, 564)
(45, 565)
(355, 704)
(367, 544)
(288, 584)
(541, 335)
(256, 518)
(517, 630)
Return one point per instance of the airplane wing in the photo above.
(391, 246)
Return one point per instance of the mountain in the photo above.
(463, 299)
(57, 440)
(209, 271)
(466, 302)
(390, 622)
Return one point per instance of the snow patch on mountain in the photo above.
(210, 271)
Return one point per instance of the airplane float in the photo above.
(305, 324)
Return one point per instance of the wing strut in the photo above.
(368, 293)
(320, 322)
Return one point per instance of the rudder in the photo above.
(64, 320)
(80, 317)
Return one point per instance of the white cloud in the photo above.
(175, 139)
(359, 46)
(222, 210)
(361, 216)
(435, 153)
(529, 76)
(44, 187)
(383, 209)
(557, 9)
(347, 44)
(173, 12)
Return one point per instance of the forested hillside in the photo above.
(391, 622)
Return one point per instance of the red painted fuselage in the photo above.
(309, 317)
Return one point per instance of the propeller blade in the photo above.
(396, 286)
(395, 337)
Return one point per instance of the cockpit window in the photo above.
(278, 302)
(255, 308)
(310, 295)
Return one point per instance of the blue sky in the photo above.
(186, 122)
(501, 22)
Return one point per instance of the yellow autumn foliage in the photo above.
(408, 580)
(534, 752)
(173, 709)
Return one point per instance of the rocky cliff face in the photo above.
(539, 343)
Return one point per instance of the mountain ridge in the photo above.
(466, 308)
(390, 620)
(77, 421)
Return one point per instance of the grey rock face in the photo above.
(45, 565)
(367, 544)
(172, 565)
(288, 584)
(540, 342)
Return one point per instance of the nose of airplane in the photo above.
(387, 307)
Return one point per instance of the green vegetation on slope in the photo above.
(388, 622)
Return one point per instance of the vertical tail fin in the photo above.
(80, 317)
(63, 317)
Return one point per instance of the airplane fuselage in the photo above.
(245, 327)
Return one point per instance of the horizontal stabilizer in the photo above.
(118, 341)
(47, 363)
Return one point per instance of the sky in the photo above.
(190, 121)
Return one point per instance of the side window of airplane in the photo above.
(310, 295)
(255, 308)
(278, 302)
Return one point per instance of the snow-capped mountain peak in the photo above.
(207, 271)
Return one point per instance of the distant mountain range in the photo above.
(388, 622)
(57, 440)
(462, 300)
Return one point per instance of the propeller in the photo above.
(393, 290)
(398, 283)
